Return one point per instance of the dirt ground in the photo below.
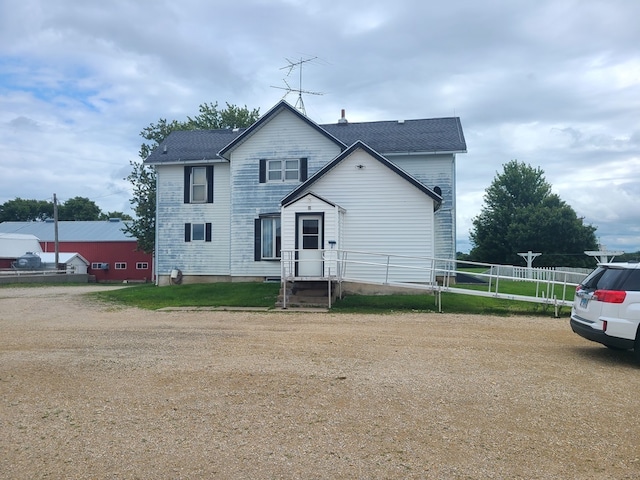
(92, 391)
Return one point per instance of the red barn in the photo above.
(112, 253)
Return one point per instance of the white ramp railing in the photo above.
(552, 286)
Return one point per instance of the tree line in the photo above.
(520, 212)
(73, 209)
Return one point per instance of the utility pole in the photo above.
(55, 230)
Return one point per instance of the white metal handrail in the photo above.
(436, 274)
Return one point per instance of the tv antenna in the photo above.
(289, 89)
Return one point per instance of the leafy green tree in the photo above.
(120, 215)
(20, 210)
(521, 214)
(79, 208)
(143, 178)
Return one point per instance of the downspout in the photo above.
(155, 240)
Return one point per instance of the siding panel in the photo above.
(285, 136)
(193, 258)
(383, 212)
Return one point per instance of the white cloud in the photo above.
(554, 83)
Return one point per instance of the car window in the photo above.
(591, 282)
(632, 283)
(605, 279)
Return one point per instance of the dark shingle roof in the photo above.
(425, 135)
(192, 145)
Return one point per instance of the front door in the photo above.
(309, 246)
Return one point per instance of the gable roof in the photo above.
(63, 257)
(182, 146)
(431, 135)
(279, 107)
(69, 231)
(292, 196)
(315, 195)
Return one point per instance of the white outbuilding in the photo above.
(15, 245)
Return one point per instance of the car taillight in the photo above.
(610, 296)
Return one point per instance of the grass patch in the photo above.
(225, 294)
(451, 303)
(527, 288)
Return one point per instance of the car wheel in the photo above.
(636, 347)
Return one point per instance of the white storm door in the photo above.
(309, 246)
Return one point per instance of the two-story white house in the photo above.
(238, 205)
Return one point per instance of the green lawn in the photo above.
(150, 296)
(197, 295)
(530, 289)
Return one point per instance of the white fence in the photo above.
(574, 275)
(553, 286)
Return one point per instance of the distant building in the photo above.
(111, 253)
(15, 245)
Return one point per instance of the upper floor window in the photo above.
(198, 184)
(283, 170)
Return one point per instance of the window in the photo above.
(121, 266)
(268, 238)
(198, 184)
(283, 170)
(197, 232)
(142, 266)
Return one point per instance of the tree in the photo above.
(79, 208)
(143, 178)
(521, 214)
(120, 215)
(20, 210)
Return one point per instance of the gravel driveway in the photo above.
(88, 390)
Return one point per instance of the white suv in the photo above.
(606, 307)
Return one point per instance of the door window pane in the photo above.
(310, 242)
(310, 227)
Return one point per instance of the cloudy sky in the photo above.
(552, 83)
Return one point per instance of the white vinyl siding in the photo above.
(383, 212)
(193, 258)
(333, 218)
(285, 136)
(436, 170)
